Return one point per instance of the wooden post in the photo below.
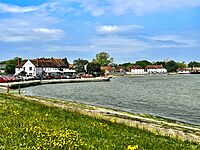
(19, 90)
(8, 89)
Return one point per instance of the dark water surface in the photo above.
(170, 96)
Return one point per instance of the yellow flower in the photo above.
(113, 120)
(135, 147)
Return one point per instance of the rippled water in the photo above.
(171, 96)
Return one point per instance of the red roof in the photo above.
(46, 62)
(135, 67)
(154, 67)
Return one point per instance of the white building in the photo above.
(136, 70)
(2, 68)
(155, 69)
(38, 67)
(184, 70)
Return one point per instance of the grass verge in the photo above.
(25, 124)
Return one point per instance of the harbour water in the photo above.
(175, 97)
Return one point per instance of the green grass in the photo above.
(29, 125)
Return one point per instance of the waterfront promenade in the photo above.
(14, 85)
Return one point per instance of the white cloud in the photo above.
(28, 34)
(120, 7)
(147, 6)
(117, 29)
(48, 31)
(100, 7)
(5, 8)
(27, 28)
(113, 28)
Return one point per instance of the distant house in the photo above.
(2, 68)
(184, 70)
(155, 69)
(41, 66)
(108, 70)
(195, 70)
(136, 70)
(120, 70)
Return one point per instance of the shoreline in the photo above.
(164, 127)
(21, 84)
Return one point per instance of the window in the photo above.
(30, 68)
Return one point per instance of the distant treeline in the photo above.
(171, 65)
(104, 59)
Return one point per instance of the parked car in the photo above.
(5, 79)
(48, 77)
(2, 80)
(86, 76)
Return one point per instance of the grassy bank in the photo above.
(26, 124)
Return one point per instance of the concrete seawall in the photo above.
(15, 85)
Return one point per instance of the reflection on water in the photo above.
(176, 96)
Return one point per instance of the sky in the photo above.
(129, 30)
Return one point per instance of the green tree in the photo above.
(171, 66)
(160, 63)
(10, 65)
(181, 65)
(143, 63)
(194, 64)
(103, 59)
(80, 65)
(94, 69)
(3, 62)
(66, 62)
(128, 64)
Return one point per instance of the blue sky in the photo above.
(129, 30)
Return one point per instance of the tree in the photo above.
(128, 64)
(171, 66)
(103, 59)
(66, 62)
(181, 65)
(160, 63)
(10, 65)
(94, 69)
(80, 65)
(194, 64)
(143, 63)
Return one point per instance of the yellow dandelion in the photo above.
(135, 147)
(113, 120)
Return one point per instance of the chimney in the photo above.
(19, 61)
(37, 62)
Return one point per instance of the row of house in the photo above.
(151, 69)
(41, 66)
(193, 70)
